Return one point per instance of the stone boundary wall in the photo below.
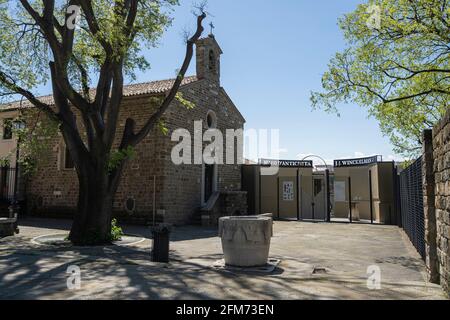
(437, 210)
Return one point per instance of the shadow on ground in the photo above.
(29, 271)
(181, 233)
(125, 273)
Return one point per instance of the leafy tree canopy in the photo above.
(25, 52)
(396, 64)
(44, 41)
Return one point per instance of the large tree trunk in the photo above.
(91, 148)
(92, 222)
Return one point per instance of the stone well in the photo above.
(246, 240)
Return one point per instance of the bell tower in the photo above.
(208, 58)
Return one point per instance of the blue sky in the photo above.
(274, 55)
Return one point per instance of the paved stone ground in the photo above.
(31, 271)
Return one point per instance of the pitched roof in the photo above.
(154, 87)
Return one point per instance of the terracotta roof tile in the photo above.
(154, 87)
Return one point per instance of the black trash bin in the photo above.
(161, 240)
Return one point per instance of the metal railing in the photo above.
(411, 195)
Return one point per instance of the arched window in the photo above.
(130, 205)
(212, 61)
(211, 120)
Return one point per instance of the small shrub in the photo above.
(116, 231)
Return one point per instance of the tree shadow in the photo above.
(407, 262)
(44, 223)
(179, 234)
(30, 271)
(114, 272)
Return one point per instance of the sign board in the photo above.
(288, 191)
(339, 191)
(355, 162)
(286, 163)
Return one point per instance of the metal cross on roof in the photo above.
(212, 27)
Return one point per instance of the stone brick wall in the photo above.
(230, 203)
(179, 190)
(184, 183)
(441, 154)
(235, 203)
(53, 190)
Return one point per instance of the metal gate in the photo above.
(411, 195)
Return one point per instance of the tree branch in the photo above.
(133, 139)
(93, 24)
(46, 26)
(12, 86)
(114, 105)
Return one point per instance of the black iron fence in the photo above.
(411, 195)
(8, 184)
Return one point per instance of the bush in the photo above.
(116, 231)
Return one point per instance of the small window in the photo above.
(211, 120)
(68, 161)
(7, 129)
(130, 205)
(212, 61)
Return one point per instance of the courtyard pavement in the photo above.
(32, 271)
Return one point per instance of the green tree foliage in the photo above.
(119, 156)
(396, 65)
(34, 140)
(87, 62)
(25, 52)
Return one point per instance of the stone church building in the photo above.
(152, 185)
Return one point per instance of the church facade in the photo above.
(152, 185)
